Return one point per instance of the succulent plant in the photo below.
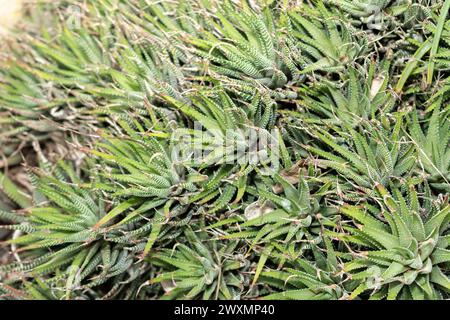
(222, 149)
(402, 246)
(209, 270)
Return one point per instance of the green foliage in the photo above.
(222, 149)
(353, 102)
(326, 43)
(404, 255)
(372, 155)
(433, 147)
(201, 269)
(306, 280)
(245, 44)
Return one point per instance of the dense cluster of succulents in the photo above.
(220, 149)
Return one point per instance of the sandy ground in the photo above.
(9, 13)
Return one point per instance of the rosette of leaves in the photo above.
(244, 45)
(372, 154)
(143, 166)
(285, 220)
(317, 279)
(200, 269)
(59, 250)
(326, 43)
(402, 246)
(221, 128)
(358, 99)
(287, 216)
(144, 172)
